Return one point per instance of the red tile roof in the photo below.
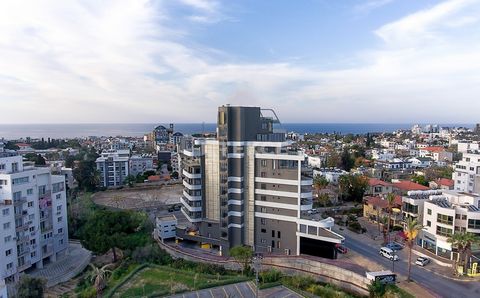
(409, 185)
(434, 149)
(374, 181)
(445, 182)
(383, 203)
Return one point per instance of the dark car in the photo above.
(177, 207)
(394, 246)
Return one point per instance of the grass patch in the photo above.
(162, 280)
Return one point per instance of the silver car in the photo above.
(422, 261)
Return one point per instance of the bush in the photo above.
(270, 276)
(299, 281)
(397, 228)
(88, 293)
(355, 226)
(151, 254)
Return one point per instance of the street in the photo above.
(436, 284)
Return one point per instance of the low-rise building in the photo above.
(165, 226)
(467, 173)
(421, 162)
(331, 174)
(442, 183)
(378, 187)
(375, 208)
(113, 166)
(402, 187)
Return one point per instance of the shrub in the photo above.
(270, 276)
(88, 293)
(376, 289)
(299, 281)
(151, 254)
(355, 226)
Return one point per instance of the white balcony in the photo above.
(194, 152)
(189, 218)
(190, 208)
(191, 176)
(191, 198)
(191, 186)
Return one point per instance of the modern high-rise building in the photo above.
(247, 187)
(113, 166)
(33, 216)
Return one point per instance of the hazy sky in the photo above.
(311, 60)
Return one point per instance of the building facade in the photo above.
(246, 187)
(33, 219)
(113, 166)
(467, 173)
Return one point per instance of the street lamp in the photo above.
(393, 260)
(257, 263)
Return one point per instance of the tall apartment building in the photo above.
(113, 166)
(467, 173)
(246, 187)
(33, 218)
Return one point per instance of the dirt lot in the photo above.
(140, 198)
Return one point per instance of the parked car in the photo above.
(394, 246)
(422, 261)
(388, 253)
(341, 249)
(177, 207)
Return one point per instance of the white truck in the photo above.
(385, 277)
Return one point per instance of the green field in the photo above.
(161, 281)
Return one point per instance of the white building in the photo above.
(465, 146)
(421, 162)
(139, 164)
(165, 226)
(331, 175)
(446, 214)
(467, 173)
(33, 218)
(113, 166)
(315, 161)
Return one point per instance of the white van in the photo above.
(388, 253)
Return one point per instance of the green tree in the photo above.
(87, 176)
(420, 179)
(412, 227)
(352, 187)
(11, 146)
(463, 242)
(106, 230)
(346, 160)
(130, 180)
(30, 287)
(69, 161)
(242, 255)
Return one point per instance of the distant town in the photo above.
(247, 210)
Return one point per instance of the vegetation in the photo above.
(309, 285)
(463, 242)
(30, 287)
(105, 230)
(412, 227)
(420, 179)
(99, 277)
(36, 158)
(352, 187)
(242, 255)
(390, 203)
(379, 290)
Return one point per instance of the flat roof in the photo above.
(168, 217)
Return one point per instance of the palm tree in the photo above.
(99, 277)
(319, 182)
(411, 229)
(463, 243)
(384, 220)
(390, 201)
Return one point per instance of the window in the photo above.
(17, 195)
(278, 244)
(59, 208)
(263, 174)
(21, 180)
(457, 216)
(7, 239)
(474, 223)
(9, 266)
(429, 223)
(6, 226)
(60, 242)
(30, 191)
(2, 166)
(58, 196)
(263, 210)
(279, 234)
(60, 231)
(263, 221)
(6, 212)
(264, 163)
(8, 252)
(32, 242)
(263, 198)
(30, 204)
(429, 211)
(464, 217)
(444, 219)
(441, 231)
(273, 233)
(33, 254)
(264, 230)
(59, 219)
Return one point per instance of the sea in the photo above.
(18, 131)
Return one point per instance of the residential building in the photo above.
(421, 162)
(442, 183)
(246, 187)
(331, 174)
(375, 208)
(165, 226)
(438, 154)
(465, 146)
(467, 173)
(139, 164)
(113, 166)
(445, 214)
(33, 219)
(377, 187)
(402, 187)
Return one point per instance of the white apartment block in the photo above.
(33, 216)
(467, 173)
(465, 146)
(140, 163)
(113, 166)
(446, 214)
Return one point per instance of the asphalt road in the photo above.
(437, 285)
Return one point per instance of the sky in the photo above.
(321, 61)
